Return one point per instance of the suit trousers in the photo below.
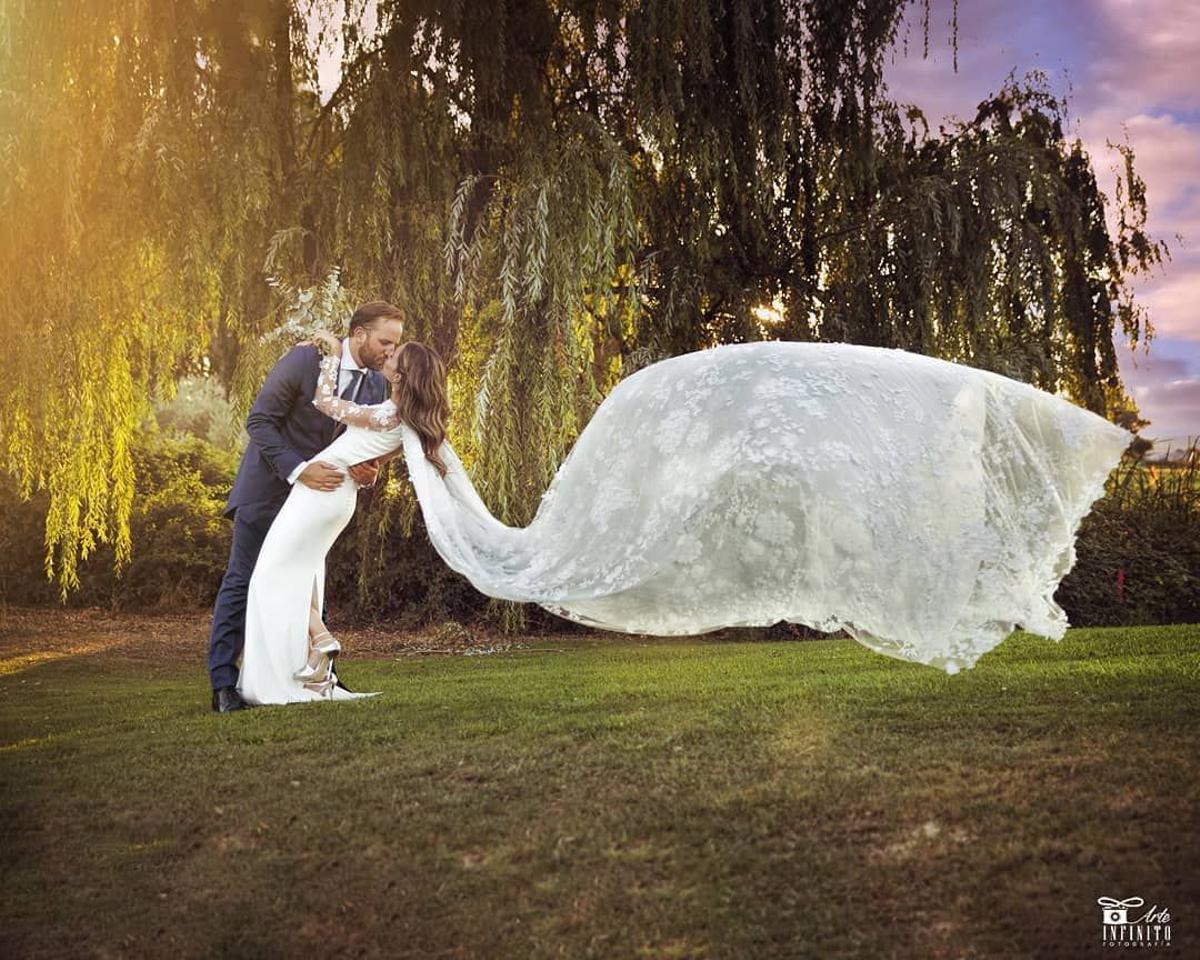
(251, 521)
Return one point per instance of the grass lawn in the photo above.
(600, 797)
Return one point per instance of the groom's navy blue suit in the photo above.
(285, 430)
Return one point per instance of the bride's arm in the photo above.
(376, 416)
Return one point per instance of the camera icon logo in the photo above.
(1117, 911)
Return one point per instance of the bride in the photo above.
(925, 507)
(288, 655)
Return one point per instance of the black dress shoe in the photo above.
(227, 699)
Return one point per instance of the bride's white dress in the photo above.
(289, 575)
(926, 507)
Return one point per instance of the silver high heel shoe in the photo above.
(323, 688)
(328, 647)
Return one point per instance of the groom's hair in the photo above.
(368, 313)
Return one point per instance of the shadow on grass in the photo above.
(658, 800)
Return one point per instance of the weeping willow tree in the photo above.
(467, 187)
(557, 191)
(145, 150)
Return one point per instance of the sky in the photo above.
(1130, 69)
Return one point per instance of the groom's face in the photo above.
(378, 342)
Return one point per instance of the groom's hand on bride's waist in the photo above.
(321, 476)
(364, 474)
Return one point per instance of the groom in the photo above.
(286, 430)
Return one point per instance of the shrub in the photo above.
(1138, 551)
(180, 540)
(1137, 555)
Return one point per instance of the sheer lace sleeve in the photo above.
(375, 416)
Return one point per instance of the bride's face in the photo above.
(391, 366)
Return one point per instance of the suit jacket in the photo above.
(286, 429)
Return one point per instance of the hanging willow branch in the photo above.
(555, 250)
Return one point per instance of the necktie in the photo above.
(351, 394)
(352, 388)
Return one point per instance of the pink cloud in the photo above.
(1144, 371)
(1166, 392)
(1171, 408)
(1166, 156)
(1150, 54)
(986, 54)
(1181, 395)
(1172, 301)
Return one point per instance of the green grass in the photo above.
(616, 799)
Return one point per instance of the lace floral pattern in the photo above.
(925, 507)
(374, 416)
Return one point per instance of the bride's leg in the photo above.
(321, 645)
(316, 626)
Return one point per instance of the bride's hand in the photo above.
(325, 339)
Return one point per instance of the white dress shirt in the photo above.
(345, 371)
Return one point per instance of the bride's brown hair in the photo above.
(421, 397)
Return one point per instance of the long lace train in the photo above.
(926, 507)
